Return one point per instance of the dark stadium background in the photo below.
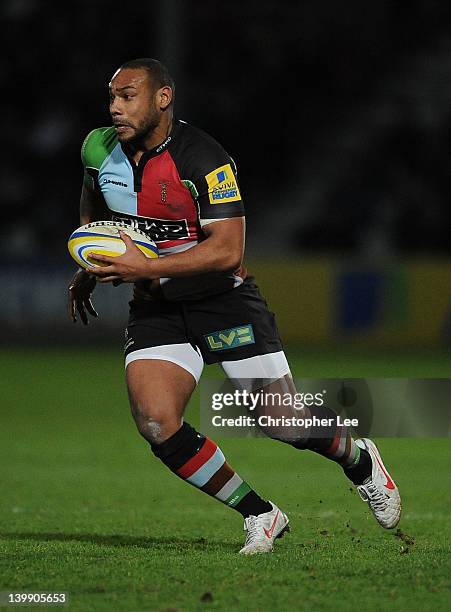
(337, 116)
(348, 107)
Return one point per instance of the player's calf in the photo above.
(199, 461)
(325, 436)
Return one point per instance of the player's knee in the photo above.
(151, 430)
(153, 424)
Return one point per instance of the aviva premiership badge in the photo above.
(222, 185)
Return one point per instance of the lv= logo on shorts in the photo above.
(230, 338)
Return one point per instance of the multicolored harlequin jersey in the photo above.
(176, 189)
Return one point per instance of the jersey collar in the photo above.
(161, 147)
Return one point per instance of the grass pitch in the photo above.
(86, 508)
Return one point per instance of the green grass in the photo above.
(86, 508)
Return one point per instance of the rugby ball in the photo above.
(103, 237)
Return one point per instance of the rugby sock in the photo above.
(336, 443)
(362, 467)
(199, 461)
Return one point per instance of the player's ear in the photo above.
(164, 97)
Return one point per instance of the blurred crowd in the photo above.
(338, 115)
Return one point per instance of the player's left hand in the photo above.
(133, 265)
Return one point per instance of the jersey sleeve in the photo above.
(95, 148)
(214, 176)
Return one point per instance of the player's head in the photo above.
(141, 94)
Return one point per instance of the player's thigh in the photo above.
(268, 378)
(158, 389)
(162, 367)
(270, 371)
(160, 382)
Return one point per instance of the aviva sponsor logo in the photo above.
(222, 185)
(230, 338)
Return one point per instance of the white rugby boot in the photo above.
(263, 530)
(379, 489)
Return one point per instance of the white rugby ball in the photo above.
(103, 237)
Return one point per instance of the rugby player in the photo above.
(174, 181)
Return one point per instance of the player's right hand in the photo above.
(79, 296)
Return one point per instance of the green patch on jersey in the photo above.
(97, 146)
(191, 186)
(230, 338)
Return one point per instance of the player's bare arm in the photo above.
(92, 205)
(222, 250)
(92, 208)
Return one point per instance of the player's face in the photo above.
(133, 105)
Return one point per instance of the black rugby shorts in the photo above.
(229, 326)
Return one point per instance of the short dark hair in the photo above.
(159, 74)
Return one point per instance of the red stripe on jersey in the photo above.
(202, 456)
(164, 196)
